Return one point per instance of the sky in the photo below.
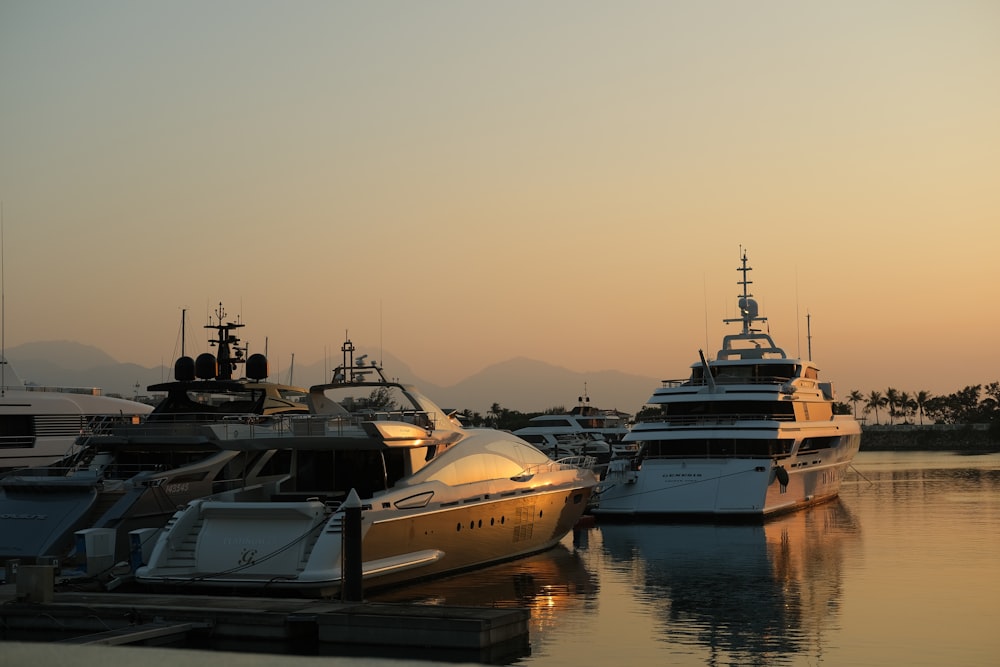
(462, 183)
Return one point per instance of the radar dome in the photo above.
(257, 367)
(748, 307)
(184, 369)
(206, 367)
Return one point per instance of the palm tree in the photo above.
(921, 399)
(906, 406)
(874, 402)
(855, 397)
(494, 415)
(892, 399)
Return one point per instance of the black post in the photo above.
(351, 588)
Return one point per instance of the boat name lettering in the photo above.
(681, 474)
(181, 487)
(38, 517)
(246, 541)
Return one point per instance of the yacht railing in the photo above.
(248, 426)
(564, 463)
(216, 428)
(335, 425)
(715, 455)
(713, 420)
(726, 379)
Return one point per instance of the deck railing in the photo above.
(713, 420)
(727, 380)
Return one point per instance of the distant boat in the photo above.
(39, 425)
(434, 498)
(584, 430)
(127, 476)
(751, 433)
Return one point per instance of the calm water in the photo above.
(903, 569)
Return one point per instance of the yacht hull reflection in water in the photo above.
(752, 590)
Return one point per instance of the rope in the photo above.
(862, 476)
(675, 486)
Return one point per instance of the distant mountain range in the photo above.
(525, 385)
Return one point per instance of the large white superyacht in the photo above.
(751, 433)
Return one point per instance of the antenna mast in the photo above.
(748, 307)
(809, 336)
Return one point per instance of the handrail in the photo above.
(776, 380)
(730, 418)
(565, 463)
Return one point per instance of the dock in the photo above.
(302, 626)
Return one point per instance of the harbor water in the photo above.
(903, 569)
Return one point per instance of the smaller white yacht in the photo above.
(40, 425)
(751, 433)
(584, 430)
(435, 498)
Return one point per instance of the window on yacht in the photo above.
(780, 410)
(809, 444)
(499, 460)
(16, 431)
(717, 447)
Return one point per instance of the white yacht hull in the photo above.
(299, 546)
(719, 487)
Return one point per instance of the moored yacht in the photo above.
(131, 476)
(39, 425)
(751, 433)
(584, 430)
(435, 498)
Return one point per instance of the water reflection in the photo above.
(550, 584)
(756, 592)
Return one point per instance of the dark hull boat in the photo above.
(134, 476)
(434, 498)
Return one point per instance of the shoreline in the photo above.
(927, 439)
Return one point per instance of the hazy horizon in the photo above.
(466, 183)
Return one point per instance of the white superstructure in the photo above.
(40, 425)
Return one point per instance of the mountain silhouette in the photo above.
(521, 384)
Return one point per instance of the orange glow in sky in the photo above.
(463, 183)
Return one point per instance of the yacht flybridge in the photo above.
(435, 497)
(750, 433)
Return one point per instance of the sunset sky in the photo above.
(461, 183)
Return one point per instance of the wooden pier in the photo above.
(262, 624)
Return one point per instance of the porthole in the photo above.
(458, 528)
(480, 524)
(540, 512)
(492, 521)
(472, 524)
